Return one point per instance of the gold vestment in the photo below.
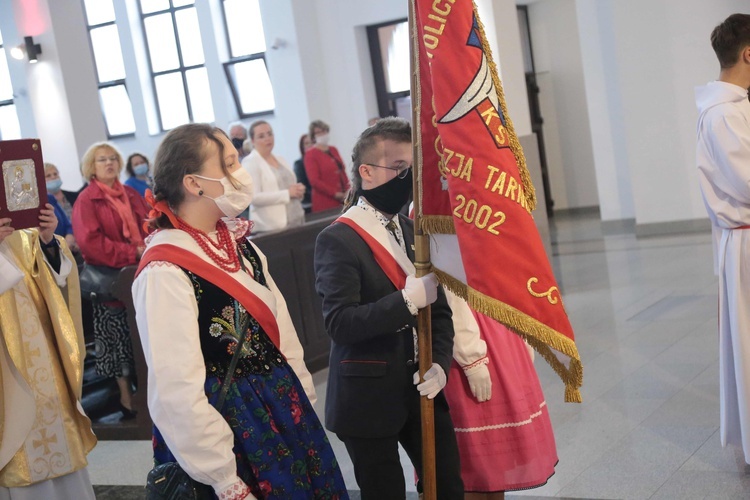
(44, 432)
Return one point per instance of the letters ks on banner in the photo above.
(476, 193)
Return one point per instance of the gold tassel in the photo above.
(572, 395)
(451, 283)
(538, 335)
(437, 224)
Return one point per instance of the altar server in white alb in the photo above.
(723, 157)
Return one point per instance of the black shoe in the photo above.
(127, 414)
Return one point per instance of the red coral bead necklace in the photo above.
(226, 244)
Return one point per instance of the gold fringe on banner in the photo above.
(515, 145)
(539, 336)
(437, 224)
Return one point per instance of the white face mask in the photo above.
(322, 139)
(234, 201)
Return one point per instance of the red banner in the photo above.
(476, 192)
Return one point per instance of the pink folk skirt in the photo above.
(505, 443)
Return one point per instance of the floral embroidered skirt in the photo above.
(505, 443)
(281, 447)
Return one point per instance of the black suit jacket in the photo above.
(372, 349)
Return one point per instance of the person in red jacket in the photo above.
(325, 170)
(108, 225)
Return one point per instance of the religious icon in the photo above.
(19, 177)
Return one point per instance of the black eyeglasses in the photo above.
(402, 169)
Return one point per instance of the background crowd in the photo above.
(101, 222)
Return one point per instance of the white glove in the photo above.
(421, 291)
(479, 382)
(434, 381)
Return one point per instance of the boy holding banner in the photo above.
(365, 274)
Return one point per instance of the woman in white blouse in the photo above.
(277, 196)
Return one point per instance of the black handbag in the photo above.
(168, 481)
(97, 282)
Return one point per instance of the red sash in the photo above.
(188, 260)
(382, 256)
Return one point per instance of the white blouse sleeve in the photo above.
(10, 275)
(262, 196)
(291, 347)
(731, 147)
(65, 266)
(468, 346)
(195, 432)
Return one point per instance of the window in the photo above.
(177, 62)
(389, 52)
(9, 126)
(110, 68)
(246, 70)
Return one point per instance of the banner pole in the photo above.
(422, 265)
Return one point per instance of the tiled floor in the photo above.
(644, 312)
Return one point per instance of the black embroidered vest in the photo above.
(216, 320)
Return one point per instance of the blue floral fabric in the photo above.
(281, 448)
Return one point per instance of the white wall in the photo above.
(605, 110)
(337, 67)
(557, 57)
(501, 27)
(657, 92)
(623, 76)
(641, 71)
(57, 89)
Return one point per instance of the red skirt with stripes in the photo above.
(505, 443)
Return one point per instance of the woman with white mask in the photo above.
(277, 196)
(325, 170)
(203, 293)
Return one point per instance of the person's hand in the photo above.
(47, 223)
(340, 196)
(5, 229)
(479, 382)
(139, 251)
(434, 381)
(421, 291)
(71, 241)
(297, 191)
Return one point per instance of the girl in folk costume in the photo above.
(198, 280)
(500, 416)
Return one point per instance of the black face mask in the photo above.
(391, 196)
(237, 143)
